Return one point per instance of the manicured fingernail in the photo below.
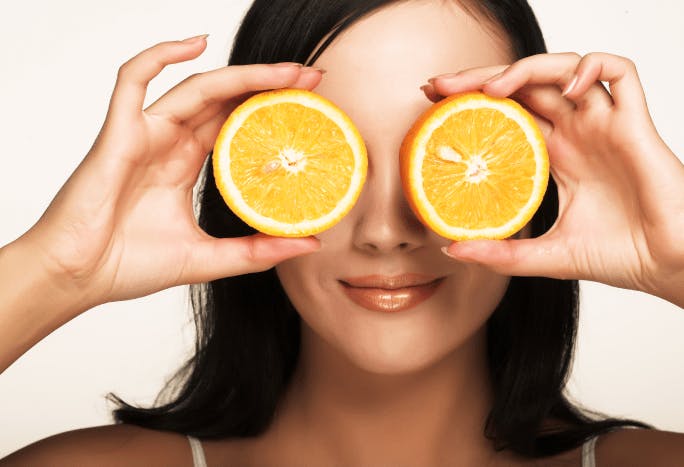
(195, 38)
(315, 68)
(444, 76)
(446, 252)
(571, 85)
(462, 256)
(288, 64)
(493, 78)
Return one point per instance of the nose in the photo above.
(385, 222)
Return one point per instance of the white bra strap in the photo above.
(588, 452)
(198, 459)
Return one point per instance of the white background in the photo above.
(57, 68)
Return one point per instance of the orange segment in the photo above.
(289, 163)
(474, 166)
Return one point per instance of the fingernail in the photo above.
(195, 38)
(315, 68)
(444, 76)
(493, 78)
(288, 64)
(446, 252)
(463, 254)
(571, 85)
(311, 246)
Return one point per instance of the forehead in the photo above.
(377, 65)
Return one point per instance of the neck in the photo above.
(342, 414)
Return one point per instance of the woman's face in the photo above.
(374, 72)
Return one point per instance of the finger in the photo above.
(540, 256)
(193, 95)
(215, 258)
(619, 72)
(545, 103)
(550, 105)
(546, 69)
(545, 126)
(464, 81)
(214, 117)
(430, 93)
(544, 100)
(131, 84)
(308, 79)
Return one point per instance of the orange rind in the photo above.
(289, 163)
(474, 167)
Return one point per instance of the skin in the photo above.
(369, 389)
(413, 365)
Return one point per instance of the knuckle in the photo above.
(190, 80)
(628, 63)
(591, 60)
(151, 54)
(193, 78)
(600, 58)
(251, 252)
(572, 55)
(244, 82)
(124, 70)
(596, 58)
(518, 66)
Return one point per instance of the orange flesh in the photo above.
(307, 139)
(492, 197)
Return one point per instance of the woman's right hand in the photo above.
(123, 226)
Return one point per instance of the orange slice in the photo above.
(289, 162)
(474, 167)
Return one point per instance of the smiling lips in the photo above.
(390, 293)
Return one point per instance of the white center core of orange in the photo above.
(292, 160)
(477, 169)
(476, 166)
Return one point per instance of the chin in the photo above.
(393, 357)
(407, 344)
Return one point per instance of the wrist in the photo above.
(669, 286)
(35, 301)
(673, 291)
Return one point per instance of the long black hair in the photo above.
(248, 332)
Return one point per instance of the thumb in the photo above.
(528, 257)
(216, 258)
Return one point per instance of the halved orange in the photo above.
(289, 162)
(474, 167)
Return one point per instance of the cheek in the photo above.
(310, 280)
(310, 286)
(476, 296)
(296, 276)
(468, 300)
(302, 279)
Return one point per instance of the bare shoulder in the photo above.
(640, 447)
(104, 446)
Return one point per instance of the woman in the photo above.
(289, 369)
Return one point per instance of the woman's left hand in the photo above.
(621, 189)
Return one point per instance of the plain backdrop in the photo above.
(58, 66)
